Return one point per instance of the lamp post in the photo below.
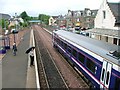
(14, 31)
(14, 38)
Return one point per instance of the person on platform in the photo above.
(14, 49)
(31, 53)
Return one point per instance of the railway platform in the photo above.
(16, 70)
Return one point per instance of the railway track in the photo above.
(49, 75)
(71, 78)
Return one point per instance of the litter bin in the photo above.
(7, 42)
(2, 50)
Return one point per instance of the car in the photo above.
(84, 33)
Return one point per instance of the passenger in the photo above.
(31, 57)
(14, 49)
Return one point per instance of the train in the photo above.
(93, 58)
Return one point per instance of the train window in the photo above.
(54, 38)
(90, 65)
(57, 40)
(81, 58)
(74, 53)
(61, 43)
(69, 49)
(117, 84)
(65, 46)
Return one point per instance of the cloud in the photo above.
(50, 7)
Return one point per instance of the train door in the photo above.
(105, 75)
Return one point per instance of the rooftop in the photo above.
(108, 32)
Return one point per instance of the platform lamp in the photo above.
(14, 31)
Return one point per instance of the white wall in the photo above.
(109, 21)
(110, 40)
(51, 21)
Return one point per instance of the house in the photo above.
(61, 21)
(52, 20)
(4, 16)
(107, 23)
(108, 16)
(84, 17)
(15, 21)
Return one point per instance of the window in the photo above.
(74, 53)
(81, 58)
(119, 42)
(65, 45)
(115, 41)
(57, 40)
(90, 65)
(69, 49)
(106, 39)
(51, 20)
(88, 13)
(100, 37)
(104, 14)
(61, 43)
(87, 19)
(81, 13)
(117, 84)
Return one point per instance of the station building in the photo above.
(107, 23)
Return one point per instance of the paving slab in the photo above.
(14, 68)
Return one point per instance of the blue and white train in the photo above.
(91, 57)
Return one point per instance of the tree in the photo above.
(44, 18)
(24, 16)
(4, 23)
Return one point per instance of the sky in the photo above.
(48, 7)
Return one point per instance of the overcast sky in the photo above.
(49, 7)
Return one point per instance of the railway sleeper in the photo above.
(89, 83)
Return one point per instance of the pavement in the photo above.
(15, 70)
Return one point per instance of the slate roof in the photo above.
(5, 16)
(115, 8)
(84, 12)
(107, 32)
(55, 17)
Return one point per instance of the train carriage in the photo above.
(91, 57)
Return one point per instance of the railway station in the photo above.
(77, 50)
(17, 72)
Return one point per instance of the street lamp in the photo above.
(15, 31)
